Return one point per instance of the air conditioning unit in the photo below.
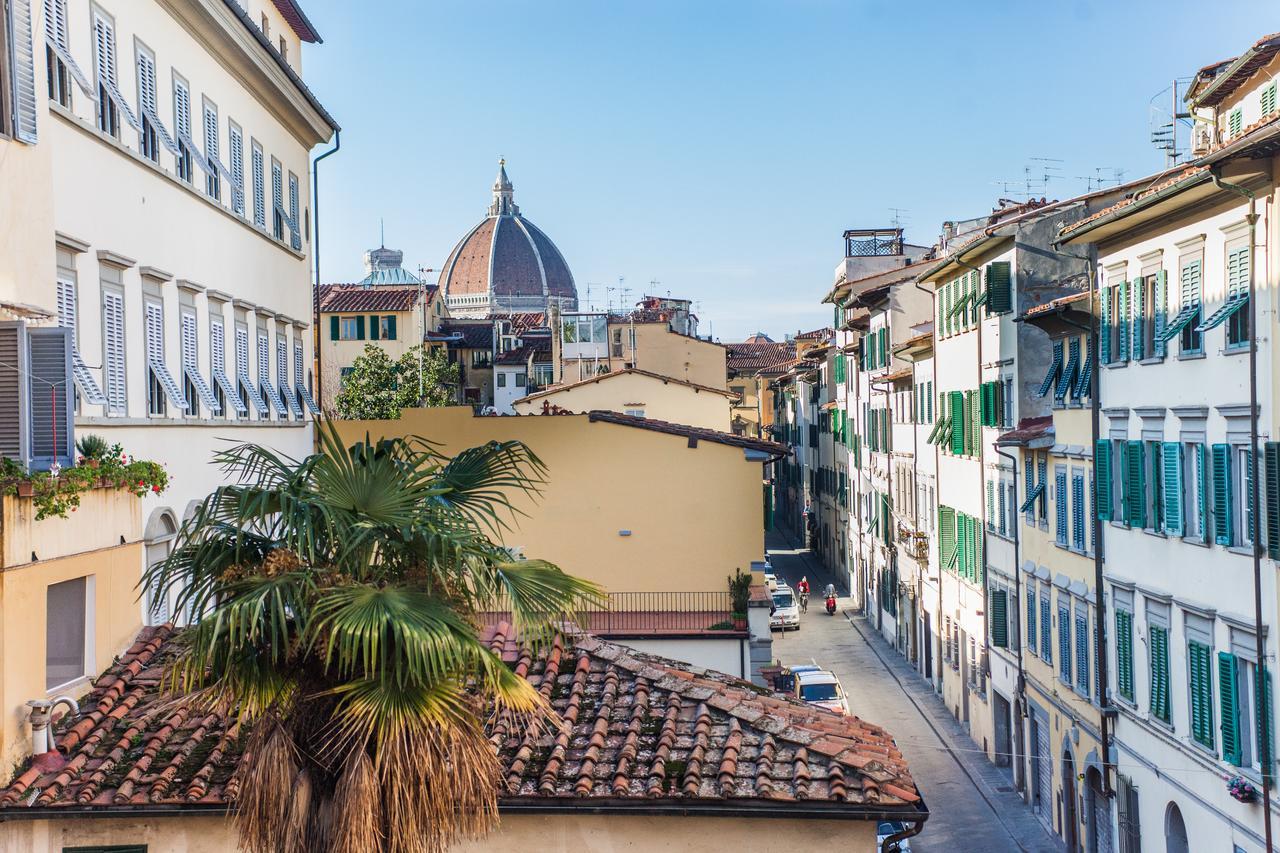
(1201, 139)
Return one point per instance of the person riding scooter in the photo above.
(831, 599)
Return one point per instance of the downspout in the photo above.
(1264, 735)
(890, 844)
(891, 542)
(315, 251)
(1021, 702)
(933, 312)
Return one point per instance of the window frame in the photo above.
(86, 651)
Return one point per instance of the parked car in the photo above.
(771, 581)
(786, 609)
(821, 688)
(892, 827)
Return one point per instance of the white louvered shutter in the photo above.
(113, 370)
(242, 372)
(55, 35)
(282, 377)
(295, 239)
(191, 363)
(235, 145)
(148, 100)
(217, 359)
(67, 319)
(155, 355)
(301, 385)
(23, 63)
(264, 375)
(259, 190)
(105, 49)
(182, 111)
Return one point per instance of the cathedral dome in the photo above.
(506, 264)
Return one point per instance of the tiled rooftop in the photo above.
(691, 432)
(630, 371)
(1176, 178)
(335, 298)
(1037, 310)
(638, 731)
(764, 355)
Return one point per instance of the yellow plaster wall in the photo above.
(694, 513)
(335, 355)
(660, 399)
(660, 350)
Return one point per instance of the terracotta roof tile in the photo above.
(635, 728)
(1037, 310)
(691, 432)
(768, 356)
(1180, 176)
(336, 298)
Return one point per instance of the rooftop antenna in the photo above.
(382, 232)
(898, 218)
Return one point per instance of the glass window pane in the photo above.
(64, 632)
(599, 329)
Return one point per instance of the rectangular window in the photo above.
(1154, 508)
(1031, 619)
(1124, 653)
(283, 385)
(1158, 644)
(1190, 285)
(104, 56)
(259, 186)
(1224, 495)
(1079, 512)
(212, 152)
(387, 327)
(277, 200)
(184, 160)
(1268, 99)
(162, 388)
(60, 65)
(1061, 503)
(113, 348)
(265, 386)
(1242, 494)
(295, 232)
(235, 146)
(1046, 625)
(68, 312)
(248, 391)
(65, 634)
(148, 138)
(1238, 261)
(1200, 683)
(1082, 650)
(195, 389)
(1196, 499)
(1064, 639)
(222, 384)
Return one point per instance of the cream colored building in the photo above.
(590, 344)
(636, 392)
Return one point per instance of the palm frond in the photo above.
(479, 480)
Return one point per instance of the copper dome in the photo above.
(505, 264)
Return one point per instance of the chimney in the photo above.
(43, 753)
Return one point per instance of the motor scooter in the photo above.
(831, 605)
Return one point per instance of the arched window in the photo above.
(161, 530)
(1175, 831)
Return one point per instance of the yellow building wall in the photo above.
(660, 350)
(26, 218)
(618, 392)
(605, 833)
(693, 513)
(337, 354)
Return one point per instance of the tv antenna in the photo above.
(898, 218)
(1039, 172)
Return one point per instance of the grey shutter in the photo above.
(147, 101)
(282, 377)
(51, 414)
(105, 48)
(113, 352)
(14, 429)
(295, 239)
(242, 372)
(217, 359)
(213, 146)
(67, 319)
(303, 393)
(182, 109)
(24, 71)
(191, 363)
(264, 374)
(154, 316)
(259, 189)
(235, 147)
(55, 35)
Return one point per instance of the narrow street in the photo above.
(972, 805)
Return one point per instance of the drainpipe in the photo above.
(933, 312)
(315, 251)
(891, 558)
(1264, 735)
(1017, 612)
(43, 752)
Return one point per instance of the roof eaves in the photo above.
(1194, 176)
(1217, 90)
(292, 12)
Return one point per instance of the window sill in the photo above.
(1199, 543)
(1242, 550)
(1113, 365)
(1159, 534)
(1236, 349)
(1155, 359)
(69, 686)
(1190, 356)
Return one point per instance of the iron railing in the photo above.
(647, 614)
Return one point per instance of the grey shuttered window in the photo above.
(235, 146)
(67, 318)
(110, 98)
(278, 213)
(264, 375)
(212, 153)
(242, 372)
(282, 377)
(153, 130)
(55, 36)
(295, 232)
(188, 151)
(1082, 652)
(154, 316)
(51, 412)
(304, 393)
(14, 430)
(23, 64)
(259, 187)
(217, 361)
(113, 351)
(191, 363)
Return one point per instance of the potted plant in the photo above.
(1241, 789)
(93, 449)
(740, 597)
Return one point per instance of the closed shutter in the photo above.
(113, 351)
(1159, 640)
(1248, 497)
(1044, 765)
(1046, 628)
(105, 55)
(946, 535)
(999, 618)
(235, 145)
(295, 230)
(24, 71)
(335, 328)
(154, 315)
(991, 502)
(1171, 488)
(264, 375)
(67, 318)
(14, 429)
(1082, 652)
(999, 288)
(959, 423)
(1202, 491)
(1135, 490)
(975, 424)
(1064, 643)
(1077, 511)
(217, 359)
(1123, 321)
(50, 408)
(259, 188)
(374, 327)
(1222, 497)
(1200, 669)
(1229, 706)
(1124, 653)
(1060, 508)
(1265, 728)
(1139, 295)
(242, 373)
(1271, 462)
(1029, 477)
(963, 556)
(1001, 511)
(1031, 620)
(212, 152)
(1161, 309)
(191, 363)
(1104, 337)
(282, 377)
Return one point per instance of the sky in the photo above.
(717, 151)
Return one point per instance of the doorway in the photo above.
(1175, 831)
(928, 657)
(1069, 819)
(1003, 732)
(1098, 814)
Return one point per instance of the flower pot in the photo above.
(25, 489)
(739, 621)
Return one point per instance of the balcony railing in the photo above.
(650, 614)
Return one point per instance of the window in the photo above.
(1061, 503)
(235, 146)
(113, 349)
(277, 200)
(1191, 299)
(212, 180)
(1082, 649)
(1153, 495)
(67, 318)
(1115, 314)
(295, 233)
(248, 391)
(1242, 494)
(187, 328)
(1223, 501)
(1064, 639)
(223, 387)
(1235, 122)
(542, 375)
(65, 634)
(284, 49)
(1241, 704)
(1200, 691)
(1158, 645)
(61, 67)
(1031, 619)
(1124, 653)
(635, 413)
(104, 56)
(148, 139)
(1268, 99)
(1078, 510)
(386, 327)
(162, 389)
(502, 379)
(1195, 499)
(283, 385)
(259, 186)
(350, 328)
(265, 26)
(481, 358)
(266, 388)
(184, 160)
(521, 379)
(1046, 625)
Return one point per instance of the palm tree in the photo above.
(338, 598)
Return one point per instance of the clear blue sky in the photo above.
(722, 148)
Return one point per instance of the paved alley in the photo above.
(969, 811)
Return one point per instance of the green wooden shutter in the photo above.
(1161, 313)
(1104, 327)
(1248, 500)
(999, 618)
(946, 535)
(1138, 297)
(962, 544)
(1171, 488)
(975, 425)
(1271, 472)
(1102, 479)
(359, 327)
(1122, 322)
(958, 422)
(991, 501)
(1160, 672)
(999, 288)
(1229, 723)
(335, 328)
(1222, 527)
(1124, 653)
(375, 327)
(1135, 491)
(391, 327)
(1200, 666)
(1263, 716)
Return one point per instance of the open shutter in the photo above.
(999, 618)
(1104, 332)
(282, 377)
(373, 327)
(304, 393)
(1159, 638)
(191, 364)
(1123, 321)
(959, 424)
(242, 373)
(946, 535)
(999, 288)
(217, 359)
(1102, 479)
(24, 71)
(335, 328)
(1171, 488)
(1139, 295)
(1161, 308)
(359, 327)
(1229, 706)
(1135, 490)
(154, 316)
(1054, 366)
(15, 430)
(1265, 722)
(68, 320)
(975, 424)
(1067, 377)
(1222, 527)
(50, 408)
(391, 334)
(1271, 463)
(268, 390)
